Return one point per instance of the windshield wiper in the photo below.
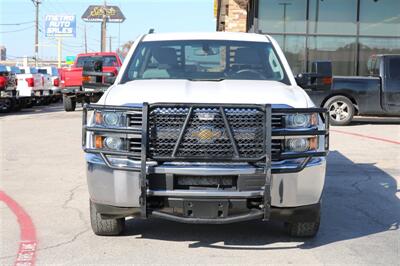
(193, 79)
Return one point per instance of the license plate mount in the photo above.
(205, 209)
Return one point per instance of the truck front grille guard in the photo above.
(143, 130)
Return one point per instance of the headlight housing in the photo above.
(301, 120)
(110, 119)
(114, 143)
(301, 144)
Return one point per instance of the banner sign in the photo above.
(98, 13)
(60, 26)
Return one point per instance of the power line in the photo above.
(12, 31)
(17, 23)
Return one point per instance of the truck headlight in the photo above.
(109, 142)
(301, 144)
(301, 120)
(113, 143)
(112, 119)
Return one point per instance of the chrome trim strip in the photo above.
(208, 193)
(205, 170)
(185, 168)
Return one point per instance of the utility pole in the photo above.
(59, 51)
(110, 43)
(36, 3)
(104, 29)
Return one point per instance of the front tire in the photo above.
(341, 110)
(69, 104)
(105, 227)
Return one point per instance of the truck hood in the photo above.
(226, 91)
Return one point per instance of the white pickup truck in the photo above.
(52, 79)
(205, 128)
(32, 84)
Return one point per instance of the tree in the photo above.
(124, 49)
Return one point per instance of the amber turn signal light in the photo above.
(98, 142)
(98, 117)
(313, 143)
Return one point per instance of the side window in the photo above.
(275, 65)
(394, 68)
(373, 66)
(137, 62)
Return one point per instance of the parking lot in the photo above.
(43, 170)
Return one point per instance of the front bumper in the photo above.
(122, 188)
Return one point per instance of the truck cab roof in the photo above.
(230, 36)
(97, 54)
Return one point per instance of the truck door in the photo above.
(391, 85)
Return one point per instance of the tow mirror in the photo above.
(320, 76)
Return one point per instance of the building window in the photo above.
(380, 17)
(372, 46)
(333, 17)
(282, 16)
(340, 51)
(294, 48)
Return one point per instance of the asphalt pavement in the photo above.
(42, 178)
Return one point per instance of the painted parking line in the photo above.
(28, 242)
(366, 136)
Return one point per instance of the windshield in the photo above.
(205, 60)
(108, 61)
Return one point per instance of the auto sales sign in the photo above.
(60, 26)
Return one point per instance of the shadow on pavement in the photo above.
(359, 200)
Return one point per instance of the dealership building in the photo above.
(345, 32)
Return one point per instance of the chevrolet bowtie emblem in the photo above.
(207, 134)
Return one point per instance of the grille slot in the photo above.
(134, 120)
(277, 121)
(276, 148)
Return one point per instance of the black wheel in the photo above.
(69, 104)
(47, 100)
(341, 110)
(17, 106)
(6, 105)
(105, 227)
(29, 104)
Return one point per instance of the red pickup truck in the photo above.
(71, 78)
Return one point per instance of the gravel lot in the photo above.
(43, 169)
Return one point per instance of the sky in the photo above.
(141, 15)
